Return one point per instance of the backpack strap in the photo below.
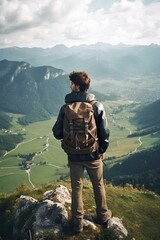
(93, 102)
(71, 128)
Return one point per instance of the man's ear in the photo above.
(77, 88)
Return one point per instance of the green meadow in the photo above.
(38, 139)
(37, 136)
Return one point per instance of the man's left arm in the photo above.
(102, 129)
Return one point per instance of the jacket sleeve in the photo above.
(58, 126)
(102, 127)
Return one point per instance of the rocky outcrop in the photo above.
(116, 225)
(34, 218)
(61, 193)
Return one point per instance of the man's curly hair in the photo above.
(81, 79)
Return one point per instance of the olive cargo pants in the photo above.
(95, 172)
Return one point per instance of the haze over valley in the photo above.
(33, 83)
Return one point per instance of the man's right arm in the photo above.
(102, 127)
(58, 126)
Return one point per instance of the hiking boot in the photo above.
(77, 225)
(103, 220)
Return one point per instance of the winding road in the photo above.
(18, 146)
(29, 177)
(135, 150)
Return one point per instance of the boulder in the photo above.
(23, 215)
(61, 194)
(116, 225)
(33, 217)
(49, 216)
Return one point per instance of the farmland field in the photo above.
(39, 139)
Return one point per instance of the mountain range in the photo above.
(36, 92)
(100, 60)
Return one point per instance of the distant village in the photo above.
(27, 161)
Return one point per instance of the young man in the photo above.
(92, 162)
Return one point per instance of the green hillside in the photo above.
(148, 116)
(5, 120)
(141, 169)
(138, 209)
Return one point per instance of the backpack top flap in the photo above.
(78, 110)
(79, 129)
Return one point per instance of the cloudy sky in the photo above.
(45, 23)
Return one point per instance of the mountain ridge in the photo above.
(33, 91)
(127, 59)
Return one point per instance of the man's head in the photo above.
(80, 81)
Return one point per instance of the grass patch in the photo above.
(138, 209)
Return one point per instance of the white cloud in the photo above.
(15, 15)
(46, 23)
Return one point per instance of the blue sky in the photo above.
(108, 3)
(39, 23)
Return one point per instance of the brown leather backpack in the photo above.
(79, 128)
